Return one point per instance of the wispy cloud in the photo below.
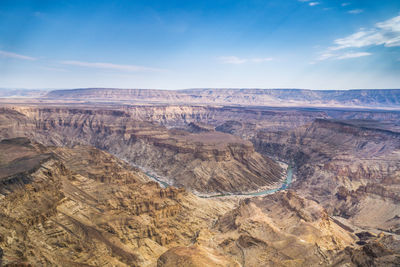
(386, 33)
(310, 2)
(345, 4)
(354, 55)
(232, 60)
(341, 55)
(237, 60)
(14, 55)
(110, 66)
(355, 11)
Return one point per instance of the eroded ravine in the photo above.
(334, 178)
(285, 184)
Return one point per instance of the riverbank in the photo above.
(283, 186)
(286, 183)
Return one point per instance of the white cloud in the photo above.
(386, 33)
(390, 25)
(356, 11)
(354, 55)
(232, 60)
(341, 55)
(345, 4)
(237, 60)
(110, 66)
(326, 55)
(14, 55)
(309, 2)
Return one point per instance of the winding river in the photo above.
(285, 184)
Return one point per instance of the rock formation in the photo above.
(246, 97)
(206, 162)
(83, 206)
(77, 180)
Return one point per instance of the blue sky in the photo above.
(315, 44)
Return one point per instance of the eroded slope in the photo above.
(205, 162)
(351, 169)
(104, 214)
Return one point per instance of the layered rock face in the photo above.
(378, 251)
(194, 256)
(66, 203)
(84, 207)
(350, 169)
(246, 97)
(248, 119)
(281, 230)
(205, 162)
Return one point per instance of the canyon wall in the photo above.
(246, 97)
(208, 162)
(82, 206)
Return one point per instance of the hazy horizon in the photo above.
(209, 88)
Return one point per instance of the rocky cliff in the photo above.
(246, 97)
(66, 203)
(205, 162)
(84, 207)
(349, 168)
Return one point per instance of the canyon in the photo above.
(245, 97)
(113, 177)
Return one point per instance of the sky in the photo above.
(312, 44)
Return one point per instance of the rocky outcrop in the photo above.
(66, 214)
(280, 230)
(72, 204)
(378, 251)
(350, 167)
(206, 162)
(195, 256)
